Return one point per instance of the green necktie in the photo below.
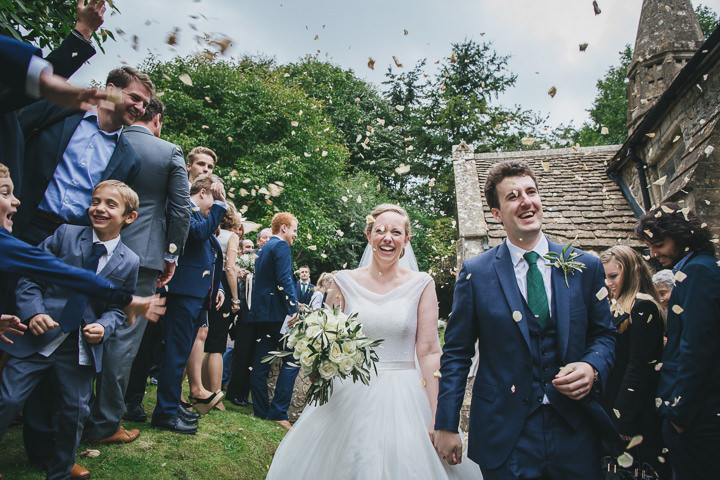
(303, 288)
(536, 294)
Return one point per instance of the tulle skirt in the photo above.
(370, 432)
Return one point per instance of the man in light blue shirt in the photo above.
(68, 152)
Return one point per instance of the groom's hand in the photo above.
(575, 380)
(448, 446)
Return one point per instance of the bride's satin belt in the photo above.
(397, 365)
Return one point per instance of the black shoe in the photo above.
(135, 413)
(190, 418)
(174, 424)
(240, 402)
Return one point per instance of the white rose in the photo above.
(312, 319)
(328, 370)
(336, 353)
(306, 359)
(347, 364)
(292, 339)
(359, 358)
(330, 335)
(349, 347)
(312, 331)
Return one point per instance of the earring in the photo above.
(402, 254)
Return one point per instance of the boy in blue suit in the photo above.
(273, 299)
(73, 353)
(193, 287)
(688, 395)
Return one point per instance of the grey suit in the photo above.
(163, 220)
(26, 367)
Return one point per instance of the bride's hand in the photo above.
(432, 436)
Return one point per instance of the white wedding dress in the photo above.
(378, 431)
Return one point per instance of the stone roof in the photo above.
(581, 203)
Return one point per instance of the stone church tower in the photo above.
(668, 36)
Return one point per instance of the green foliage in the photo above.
(708, 19)
(45, 23)
(609, 108)
(270, 135)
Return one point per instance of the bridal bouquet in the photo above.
(247, 262)
(329, 344)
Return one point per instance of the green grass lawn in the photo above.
(229, 445)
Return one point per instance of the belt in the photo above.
(397, 365)
(50, 217)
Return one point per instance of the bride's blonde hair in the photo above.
(388, 207)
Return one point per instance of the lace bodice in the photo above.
(392, 316)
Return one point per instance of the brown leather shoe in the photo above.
(79, 472)
(121, 436)
(283, 423)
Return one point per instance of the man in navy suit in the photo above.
(194, 286)
(303, 287)
(273, 299)
(688, 396)
(545, 348)
(72, 353)
(68, 152)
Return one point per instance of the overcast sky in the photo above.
(542, 37)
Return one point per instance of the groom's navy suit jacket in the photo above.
(486, 296)
(274, 294)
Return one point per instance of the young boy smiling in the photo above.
(73, 353)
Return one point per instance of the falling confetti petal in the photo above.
(437, 374)
(677, 309)
(658, 366)
(616, 412)
(517, 316)
(206, 272)
(552, 92)
(604, 131)
(602, 293)
(583, 47)
(185, 78)
(680, 276)
(625, 460)
(528, 141)
(708, 150)
(397, 62)
(172, 248)
(596, 8)
(634, 442)
(371, 63)
(399, 108)
(402, 169)
(660, 181)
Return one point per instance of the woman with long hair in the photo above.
(640, 322)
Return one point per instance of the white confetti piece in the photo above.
(517, 316)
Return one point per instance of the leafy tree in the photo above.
(277, 150)
(45, 23)
(708, 19)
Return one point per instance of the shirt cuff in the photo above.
(32, 79)
(169, 257)
(219, 203)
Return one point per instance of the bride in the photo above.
(384, 430)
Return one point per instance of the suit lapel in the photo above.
(118, 156)
(508, 282)
(561, 302)
(114, 261)
(86, 241)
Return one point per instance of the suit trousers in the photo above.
(242, 358)
(694, 453)
(20, 378)
(263, 407)
(150, 345)
(550, 449)
(119, 351)
(181, 322)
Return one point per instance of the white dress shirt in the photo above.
(521, 266)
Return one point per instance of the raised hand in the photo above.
(10, 324)
(56, 89)
(89, 17)
(218, 191)
(152, 308)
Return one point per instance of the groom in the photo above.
(545, 349)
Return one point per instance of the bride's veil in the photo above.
(407, 261)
